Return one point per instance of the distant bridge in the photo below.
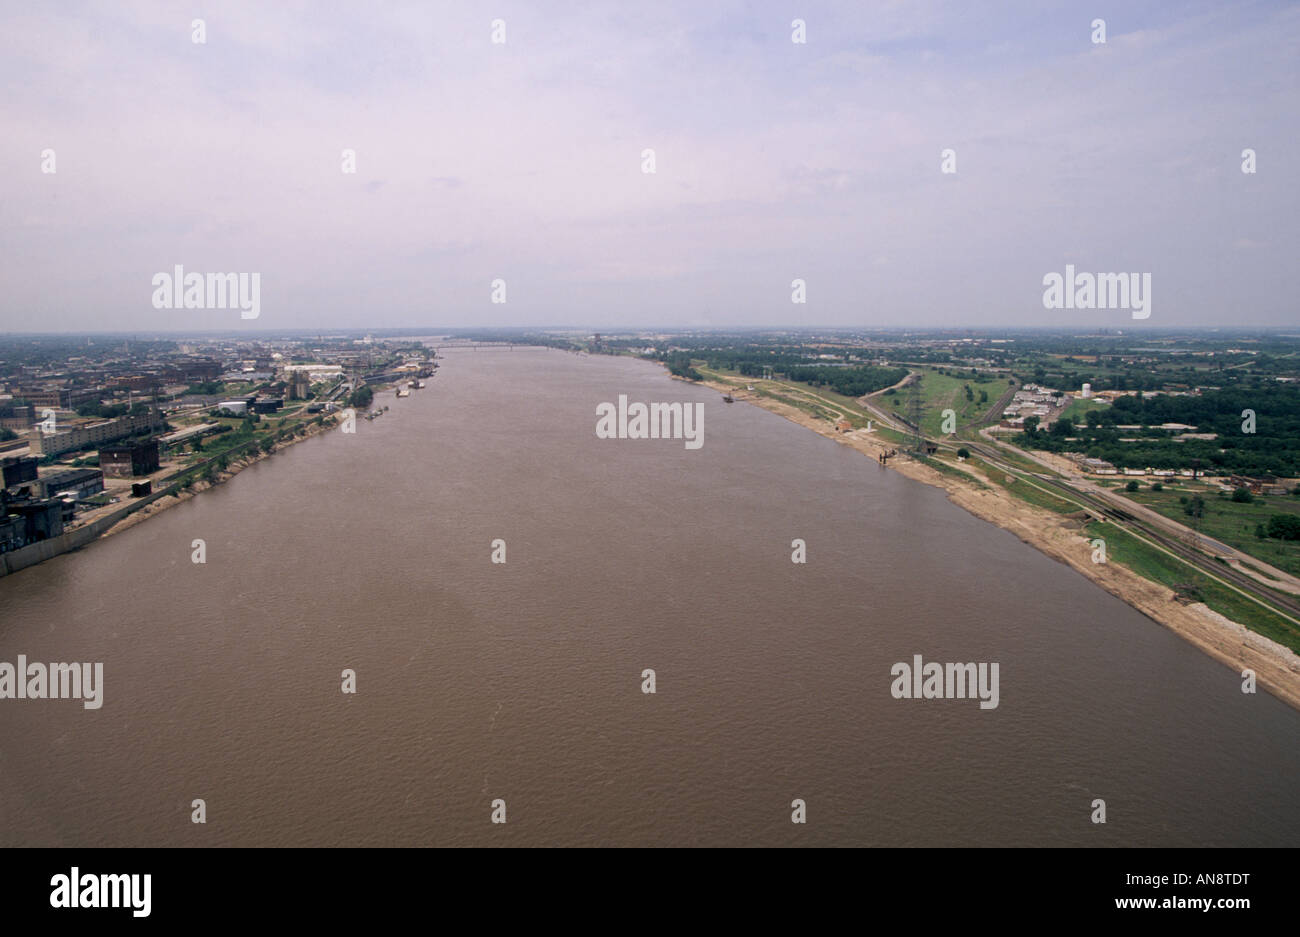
(474, 345)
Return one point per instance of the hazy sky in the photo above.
(522, 161)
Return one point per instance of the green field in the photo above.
(1017, 460)
(1152, 563)
(945, 463)
(944, 391)
(1025, 489)
(1231, 522)
(1077, 412)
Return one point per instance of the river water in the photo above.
(522, 681)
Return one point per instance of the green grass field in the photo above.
(943, 391)
(1018, 461)
(945, 462)
(1153, 564)
(1077, 412)
(1231, 522)
(1024, 489)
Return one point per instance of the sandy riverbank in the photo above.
(1277, 668)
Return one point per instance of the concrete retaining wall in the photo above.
(43, 550)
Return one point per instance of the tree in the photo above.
(963, 453)
(1063, 427)
(1157, 486)
(1242, 495)
(1031, 425)
(97, 409)
(1284, 527)
(1131, 486)
(1195, 507)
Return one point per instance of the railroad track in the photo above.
(1269, 598)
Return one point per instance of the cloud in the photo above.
(523, 160)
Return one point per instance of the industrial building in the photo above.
(19, 469)
(125, 460)
(27, 522)
(183, 436)
(82, 482)
(83, 437)
(298, 385)
(16, 417)
(66, 398)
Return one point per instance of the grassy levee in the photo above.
(944, 467)
(822, 403)
(1025, 489)
(1158, 566)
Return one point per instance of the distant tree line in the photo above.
(1272, 449)
(207, 388)
(679, 363)
(109, 411)
(851, 382)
